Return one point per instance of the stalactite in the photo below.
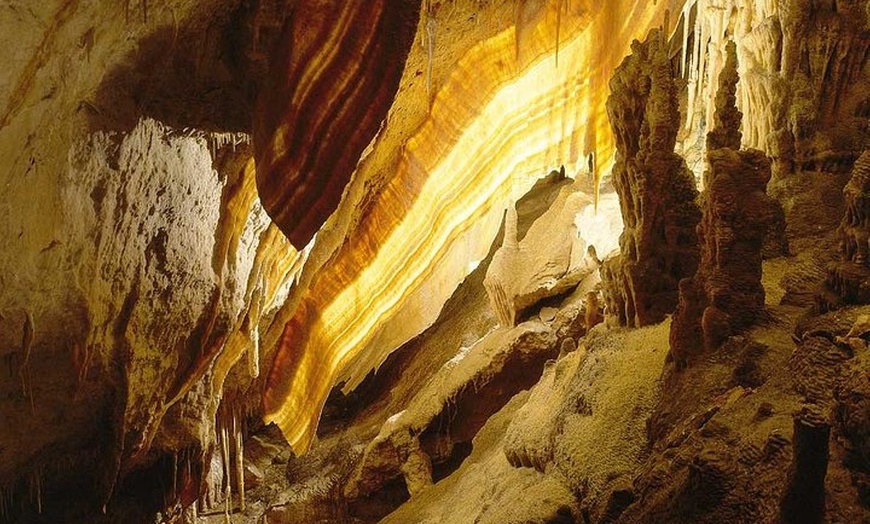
(558, 27)
(228, 491)
(174, 476)
(687, 26)
(82, 360)
(24, 369)
(251, 328)
(430, 48)
(254, 354)
(240, 463)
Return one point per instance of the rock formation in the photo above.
(424, 207)
(848, 280)
(305, 155)
(804, 499)
(656, 190)
(548, 261)
(447, 411)
(151, 314)
(725, 295)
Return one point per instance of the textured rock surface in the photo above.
(143, 287)
(584, 397)
(154, 292)
(495, 368)
(726, 294)
(416, 219)
(656, 190)
(137, 251)
(487, 489)
(848, 280)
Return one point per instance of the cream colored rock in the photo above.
(551, 259)
(396, 449)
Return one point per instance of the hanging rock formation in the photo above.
(656, 190)
(848, 279)
(726, 293)
(321, 109)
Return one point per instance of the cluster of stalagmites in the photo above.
(656, 190)
(725, 295)
(848, 280)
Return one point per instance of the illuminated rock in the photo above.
(801, 78)
(656, 190)
(550, 260)
(449, 408)
(497, 124)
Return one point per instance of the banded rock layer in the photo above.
(335, 74)
(497, 124)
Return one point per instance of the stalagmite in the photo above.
(804, 499)
(656, 190)
(24, 370)
(228, 472)
(174, 493)
(725, 295)
(848, 280)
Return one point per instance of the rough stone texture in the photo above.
(417, 216)
(65, 59)
(496, 367)
(138, 261)
(146, 278)
(583, 397)
(848, 280)
(853, 413)
(726, 294)
(548, 261)
(486, 489)
(727, 118)
(804, 498)
(656, 190)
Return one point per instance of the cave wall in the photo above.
(141, 276)
(136, 250)
(436, 204)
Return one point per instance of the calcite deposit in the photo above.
(656, 190)
(550, 260)
(725, 295)
(848, 280)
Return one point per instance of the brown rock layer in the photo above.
(656, 190)
(334, 76)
